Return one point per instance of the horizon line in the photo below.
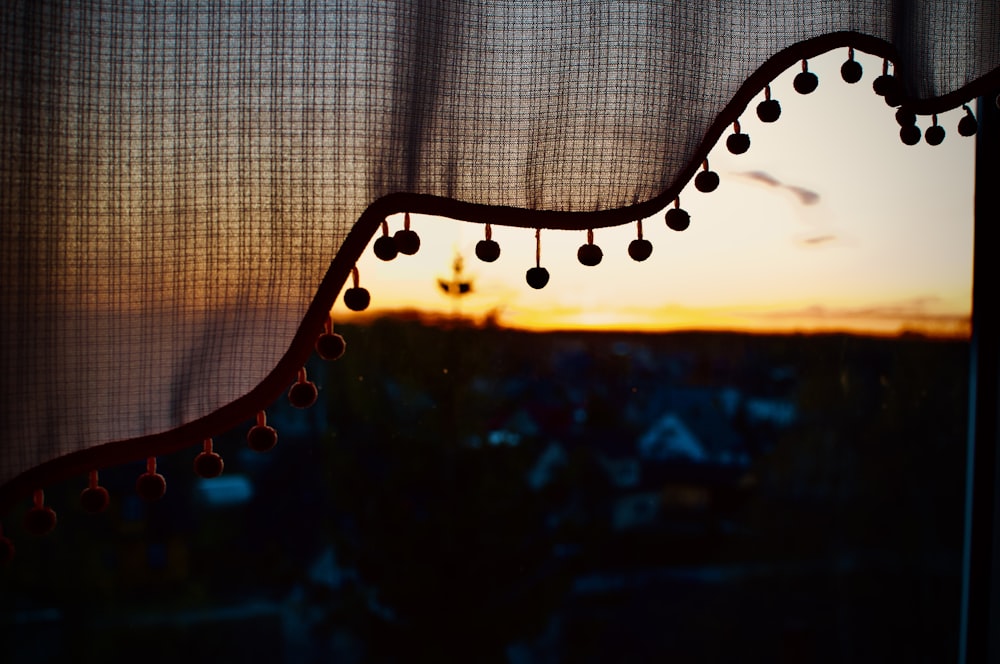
(957, 328)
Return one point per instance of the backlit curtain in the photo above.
(178, 178)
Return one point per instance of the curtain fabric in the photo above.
(180, 180)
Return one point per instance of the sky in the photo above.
(827, 223)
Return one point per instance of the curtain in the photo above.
(186, 185)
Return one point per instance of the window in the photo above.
(491, 491)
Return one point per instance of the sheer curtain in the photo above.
(186, 186)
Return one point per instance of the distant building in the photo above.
(669, 438)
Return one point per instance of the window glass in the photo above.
(749, 447)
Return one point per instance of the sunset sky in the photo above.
(829, 222)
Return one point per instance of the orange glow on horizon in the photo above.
(776, 323)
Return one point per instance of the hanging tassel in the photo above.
(738, 142)
(7, 549)
(851, 70)
(706, 181)
(407, 241)
(488, 250)
(151, 485)
(303, 393)
(589, 254)
(676, 218)
(39, 520)
(768, 110)
(385, 246)
(94, 499)
(208, 464)
(805, 81)
(968, 126)
(330, 345)
(639, 249)
(356, 298)
(537, 276)
(261, 438)
(935, 133)
(887, 86)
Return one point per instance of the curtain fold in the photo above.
(179, 178)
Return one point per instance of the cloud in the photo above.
(923, 315)
(927, 308)
(821, 233)
(805, 196)
(761, 176)
(818, 239)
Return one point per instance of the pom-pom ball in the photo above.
(407, 241)
(487, 250)
(208, 464)
(357, 298)
(537, 277)
(886, 84)
(769, 110)
(589, 255)
(94, 499)
(330, 346)
(905, 117)
(851, 71)
(706, 181)
(40, 520)
(261, 438)
(640, 249)
(303, 395)
(677, 219)
(805, 82)
(934, 135)
(738, 143)
(968, 125)
(151, 486)
(385, 248)
(910, 134)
